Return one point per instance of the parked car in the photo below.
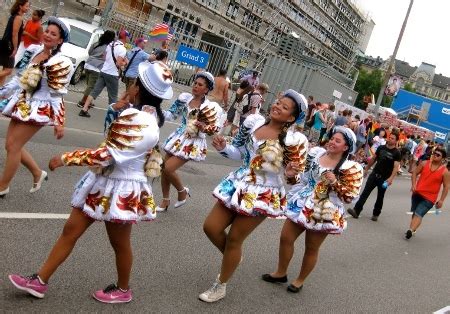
(82, 37)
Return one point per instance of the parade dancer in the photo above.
(269, 149)
(200, 117)
(425, 191)
(315, 204)
(118, 193)
(35, 99)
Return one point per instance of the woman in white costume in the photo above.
(199, 117)
(270, 150)
(316, 203)
(118, 193)
(34, 98)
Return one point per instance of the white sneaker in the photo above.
(215, 293)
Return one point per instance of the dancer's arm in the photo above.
(177, 107)
(59, 72)
(89, 157)
(348, 185)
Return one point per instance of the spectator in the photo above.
(115, 59)
(250, 104)
(361, 134)
(311, 108)
(319, 121)
(159, 55)
(387, 158)
(220, 92)
(11, 38)
(32, 34)
(94, 63)
(425, 191)
(342, 119)
(330, 118)
(135, 57)
(252, 78)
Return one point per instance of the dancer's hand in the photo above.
(122, 102)
(55, 162)
(219, 142)
(439, 204)
(200, 125)
(58, 130)
(330, 177)
(292, 169)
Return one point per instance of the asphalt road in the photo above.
(370, 268)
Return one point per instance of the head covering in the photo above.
(64, 26)
(298, 98)
(140, 40)
(349, 136)
(123, 33)
(156, 78)
(208, 77)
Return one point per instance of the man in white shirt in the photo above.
(115, 59)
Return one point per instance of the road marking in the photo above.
(105, 109)
(444, 310)
(429, 212)
(10, 215)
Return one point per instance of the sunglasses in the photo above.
(437, 154)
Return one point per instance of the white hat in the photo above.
(298, 98)
(156, 78)
(349, 137)
(208, 77)
(64, 26)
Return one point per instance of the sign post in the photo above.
(192, 56)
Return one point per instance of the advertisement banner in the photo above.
(393, 86)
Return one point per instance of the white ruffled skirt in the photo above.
(235, 193)
(300, 210)
(35, 111)
(107, 199)
(186, 147)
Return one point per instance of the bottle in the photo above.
(385, 185)
(436, 211)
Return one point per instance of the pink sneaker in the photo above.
(30, 284)
(113, 294)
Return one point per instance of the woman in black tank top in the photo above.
(11, 38)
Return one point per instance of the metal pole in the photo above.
(55, 7)
(391, 63)
(106, 11)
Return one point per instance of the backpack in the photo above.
(247, 107)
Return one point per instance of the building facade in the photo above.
(331, 31)
(423, 79)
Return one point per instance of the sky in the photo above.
(425, 35)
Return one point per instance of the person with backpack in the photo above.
(136, 56)
(251, 104)
(115, 59)
(94, 64)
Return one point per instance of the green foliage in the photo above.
(408, 87)
(368, 83)
(387, 101)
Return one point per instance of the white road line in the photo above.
(444, 310)
(105, 109)
(6, 215)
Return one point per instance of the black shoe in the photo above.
(408, 234)
(294, 289)
(352, 213)
(374, 218)
(269, 278)
(84, 114)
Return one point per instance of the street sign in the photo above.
(192, 56)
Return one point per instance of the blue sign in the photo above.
(192, 56)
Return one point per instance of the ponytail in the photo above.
(146, 98)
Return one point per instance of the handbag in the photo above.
(119, 70)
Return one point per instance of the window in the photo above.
(170, 7)
(166, 17)
(232, 10)
(79, 37)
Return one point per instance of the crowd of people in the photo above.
(298, 142)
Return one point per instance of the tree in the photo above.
(367, 84)
(408, 87)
